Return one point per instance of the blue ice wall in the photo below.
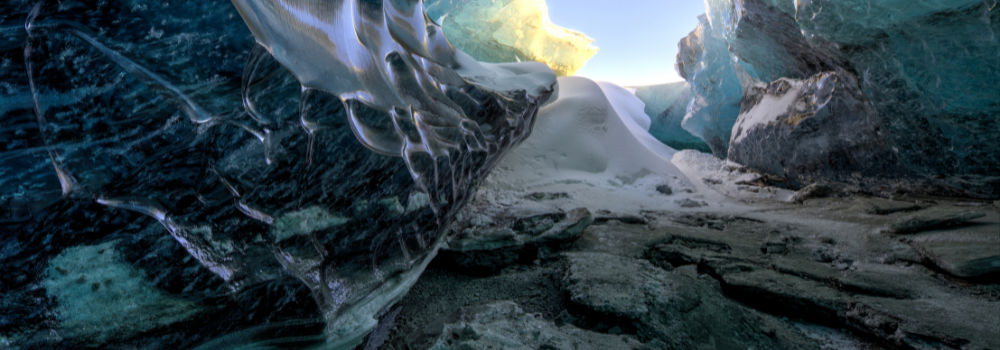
(705, 62)
(666, 105)
(930, 68)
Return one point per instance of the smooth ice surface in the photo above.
(511, 31)
(666, 105)
(704, 61)
(660, 97)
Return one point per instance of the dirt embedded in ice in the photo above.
(100, 297)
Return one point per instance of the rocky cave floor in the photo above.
(845, 272)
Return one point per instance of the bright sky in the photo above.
(638, 38)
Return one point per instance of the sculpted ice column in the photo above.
(398, 140)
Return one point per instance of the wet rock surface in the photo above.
(965, 259)
(492, 238)
(812, 191)
(674, 309)
(870, 283)
(817, 275)
(880, 206)
(969, 250)
(932, 219)
(504, 325)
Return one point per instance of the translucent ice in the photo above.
(666, 106)
(704, 61)
(511, 30)
(95, 290)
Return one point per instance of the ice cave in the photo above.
(452, 174)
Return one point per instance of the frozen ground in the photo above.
(769, 268)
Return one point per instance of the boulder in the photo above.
(820, 128)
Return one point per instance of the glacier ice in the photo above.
(932, 70)
(766, 41)
(329, 144)
(929, 69)
(658, 98)
(511, 30)
(194, 174)
(704, 61)
(666, 106)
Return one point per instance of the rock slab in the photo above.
(675, 308)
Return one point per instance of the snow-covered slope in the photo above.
(590, 142)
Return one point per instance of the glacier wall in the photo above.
(705, 63)
(239, 156)
(666, 106)
(929, 70)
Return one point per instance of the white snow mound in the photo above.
(591, 142)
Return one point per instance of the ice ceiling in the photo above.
(210, 156)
